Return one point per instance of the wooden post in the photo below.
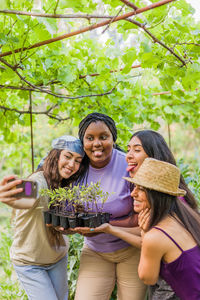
(169, 135)
(31, 126)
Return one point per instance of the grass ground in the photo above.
(9, 285)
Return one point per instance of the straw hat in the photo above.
(159, 176)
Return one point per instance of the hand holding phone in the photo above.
(7, 193)
(29, 189)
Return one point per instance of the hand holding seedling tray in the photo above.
(76, 206)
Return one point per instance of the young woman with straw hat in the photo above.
(171, 243)
(149, 143)
(171, 238)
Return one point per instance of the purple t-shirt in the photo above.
(119, 204)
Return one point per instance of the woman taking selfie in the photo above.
(38, 252)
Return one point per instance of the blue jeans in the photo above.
(42, 283)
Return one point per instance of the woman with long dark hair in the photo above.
(38, 252)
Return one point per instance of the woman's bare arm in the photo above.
(130, 235)
(151, 256)
(130, 221)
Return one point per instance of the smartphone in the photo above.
(29, 189)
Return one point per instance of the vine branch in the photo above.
(39, 89)
(111, 71)
(130, 4)
(88, 28)
(54, 16)
(32, 90)
(155, 40)
(47, 112)
(113, 19)
(195, 44)
(56, 7)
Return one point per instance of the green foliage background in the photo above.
(162, 94)
(59, 67)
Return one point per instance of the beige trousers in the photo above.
(99, 272)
